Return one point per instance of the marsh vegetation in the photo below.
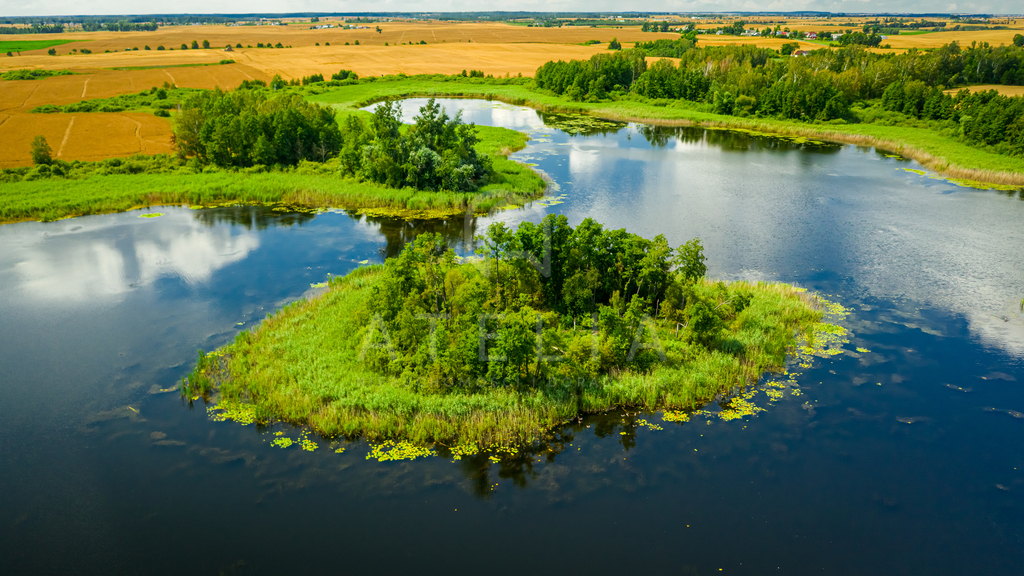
(550, 322)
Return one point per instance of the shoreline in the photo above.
(57, 198)
(961, 175)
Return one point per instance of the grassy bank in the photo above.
(936, 152)
(302, 365)
(309, 185)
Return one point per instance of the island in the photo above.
(546, 323)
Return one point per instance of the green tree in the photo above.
(206, 43)
(689, 261)
(195, 45)
(614, 44)
(1018, 40)
(41, 152)
(52, 51)
(184, 46)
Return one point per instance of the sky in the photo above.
(54, 7)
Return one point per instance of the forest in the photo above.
(844, 85)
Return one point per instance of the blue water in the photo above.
(902, 460)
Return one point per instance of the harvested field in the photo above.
(937, 39)
(495, 48)
(24, 95)
(86, 136)
(1004, 90)
(497, 59)
(299, 35)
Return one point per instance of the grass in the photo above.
(307, 186)
(302, 365)
(33, 74)
(936, 152)
(26, 45)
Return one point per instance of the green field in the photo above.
(26, 45)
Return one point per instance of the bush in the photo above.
(41, 152)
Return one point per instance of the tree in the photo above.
(1018, 40)
(52, 51)
(614, 44)
(41, 152)
(689, 260)
(195, 45)
(184, 46)
(206, 43)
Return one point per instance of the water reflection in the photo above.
(85, 258)
(253, 217)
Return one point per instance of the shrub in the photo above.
(41, 152)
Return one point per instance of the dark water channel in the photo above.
(906, 459)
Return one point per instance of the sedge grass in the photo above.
(302, 365)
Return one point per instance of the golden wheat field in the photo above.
(85, 136)
(494, 48)
(1002, 89)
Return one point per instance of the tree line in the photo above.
(251, 127)
(33, 29)
(821, 86)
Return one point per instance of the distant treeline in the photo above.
(746, 80)
(34, 29)
(119, 26)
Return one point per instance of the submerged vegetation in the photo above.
(552, 321)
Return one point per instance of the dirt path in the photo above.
(138, 135)
(85, 87)
(67, 134)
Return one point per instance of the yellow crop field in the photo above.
(85, 136)
(1002, 89)
(98, 83)
(494, 48)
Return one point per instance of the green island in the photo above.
(548, 323)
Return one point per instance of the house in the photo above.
(836, 36)
(801, 52)
(812, 36)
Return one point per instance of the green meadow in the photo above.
(26, 45)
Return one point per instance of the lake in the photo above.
(902, 459)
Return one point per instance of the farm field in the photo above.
(1002, 89)
(84, 136)
(494, 48)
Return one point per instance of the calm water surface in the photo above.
(903, 460)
